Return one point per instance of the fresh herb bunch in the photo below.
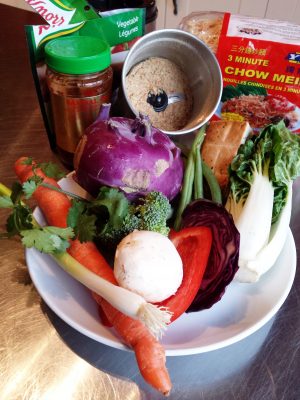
(110, 217)
(48, 239)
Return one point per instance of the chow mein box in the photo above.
(260, 64)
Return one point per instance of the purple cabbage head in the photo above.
(223, 259)
(128, 154)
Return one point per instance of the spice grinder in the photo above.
(197, 63)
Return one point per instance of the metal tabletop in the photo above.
(42, 358)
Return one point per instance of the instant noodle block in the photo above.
(260, 64)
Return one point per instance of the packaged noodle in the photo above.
(260, 63)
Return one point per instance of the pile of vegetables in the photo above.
(261, 177)
(135, 176)
(196, 211)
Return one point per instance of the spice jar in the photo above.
(79, 78)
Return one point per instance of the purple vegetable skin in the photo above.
(128, 154)
(223, 259)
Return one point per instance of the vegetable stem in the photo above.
(4, 191)
(198, 180)
(213, 183)
(74, 196)
(188, 179)
(187, 189)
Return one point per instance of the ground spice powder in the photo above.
(153, 75)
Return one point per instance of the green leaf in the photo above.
(64, 233)
(48, 239)
(86, 228)
(115, 203)
(83, 223)
(30, 186)
(52, 170)
(28, 161)
(77, 208)
(6, 202)
(16, 192)
(20, 218)
(275, 152)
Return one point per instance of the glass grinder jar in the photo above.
(79, 78)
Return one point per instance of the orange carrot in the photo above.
(54, 205)
(149, 352)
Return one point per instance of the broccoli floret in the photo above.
(153, 213)
(150, 214)
(113, 217)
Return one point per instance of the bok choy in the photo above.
(261, 177)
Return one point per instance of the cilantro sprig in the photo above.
(49, 239)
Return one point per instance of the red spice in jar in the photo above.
(79, 78)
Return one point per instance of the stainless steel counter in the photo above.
(42, 358)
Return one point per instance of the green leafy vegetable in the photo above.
(6, 202)
(30, 186)
(52, 170)
(21, 222)
(275, 153)
(20, 218)
(17, 192)
(49, 239)
(84, 224)
(261, 177)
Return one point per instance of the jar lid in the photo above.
(77, 54)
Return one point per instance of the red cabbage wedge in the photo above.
(223, 259)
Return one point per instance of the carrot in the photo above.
(149, 352)
(47, 199)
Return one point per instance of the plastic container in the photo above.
(206, 26)
(79, 78)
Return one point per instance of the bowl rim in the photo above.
(200, 42)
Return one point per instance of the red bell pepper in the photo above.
(193, 245)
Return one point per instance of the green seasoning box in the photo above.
(73, 18)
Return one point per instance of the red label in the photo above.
(261, 78)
